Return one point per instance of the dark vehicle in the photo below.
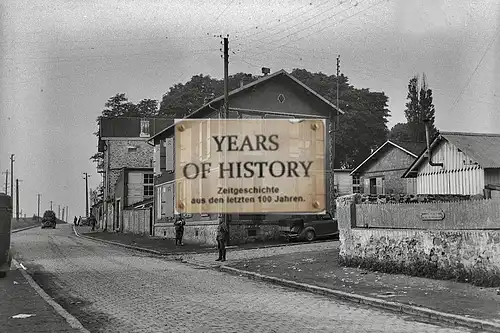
(5, 225)
(310, 227)
(49, 220)
(85, 221)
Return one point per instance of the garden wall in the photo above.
(457, 249)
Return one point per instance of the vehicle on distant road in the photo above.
(49, 220)
(309, 227)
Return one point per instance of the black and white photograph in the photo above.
(250, 166)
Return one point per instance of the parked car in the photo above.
(85, 221)
(310, 227)
(49, 219)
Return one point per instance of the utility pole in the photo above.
(62, 217)
(51, 204)
(17, 199)
(12, 175)
(59, 212)
(225, 111)
(333, 129)
(38, 211)
(86, 193)
(6, 173)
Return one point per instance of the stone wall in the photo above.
(464, 255)
(121, 157)
(204, 232)
(201, 233)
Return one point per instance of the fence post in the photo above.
(346, 218)
(5, 228)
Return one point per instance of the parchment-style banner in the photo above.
(250, 166)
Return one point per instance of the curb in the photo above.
(72, 320)
(375, 302)
(131, 247)
(22, 229)
(237, 248)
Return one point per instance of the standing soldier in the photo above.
(222, 233)
(179, 229)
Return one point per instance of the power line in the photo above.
(287, 28)
(274, 20)
(326, 27)
(223, 11)
(475, 69)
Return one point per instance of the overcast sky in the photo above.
(61, 61)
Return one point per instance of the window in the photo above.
(144, 129)
(148, 184)
(356, 184)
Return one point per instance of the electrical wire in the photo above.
(454, 104)
(326, 27)
(300, 22)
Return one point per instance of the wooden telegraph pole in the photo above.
(86, 193)
(225, 111)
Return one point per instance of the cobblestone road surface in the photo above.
(111, 289)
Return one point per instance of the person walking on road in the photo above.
(79, 221)
(222, 233)
(179, 229)
(75, 221)
(93, 221)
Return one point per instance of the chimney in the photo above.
(427, 136)
(208, 98)
(266, 70)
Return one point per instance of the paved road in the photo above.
(110, 289)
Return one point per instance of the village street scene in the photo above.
(287, 187)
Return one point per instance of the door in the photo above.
(151, 221)
(373, 185)
(117, 215)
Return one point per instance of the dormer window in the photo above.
(145, 129)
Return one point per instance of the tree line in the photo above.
(362, 128)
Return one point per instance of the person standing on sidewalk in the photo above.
(222, 233)
(179, 229)
(75, 220)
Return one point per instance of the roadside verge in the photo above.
(70, 319)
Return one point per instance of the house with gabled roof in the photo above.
(278, 95)
(459, 163)
(380, 173)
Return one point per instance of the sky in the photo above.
(62, 59)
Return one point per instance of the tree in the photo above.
(419, 108)
(182, 99)
(400, 132)
(364, 124)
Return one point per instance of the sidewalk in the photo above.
(321, 268)
(18, 298)
(161, 245)
(167, 246)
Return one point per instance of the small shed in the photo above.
(463, 163)
(380, 173)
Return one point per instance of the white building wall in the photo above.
(460, 174)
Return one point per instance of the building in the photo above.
(124, 144)
(278, 95)
(343, 182)
(133, 186)
(462, 163)
(381, 172)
